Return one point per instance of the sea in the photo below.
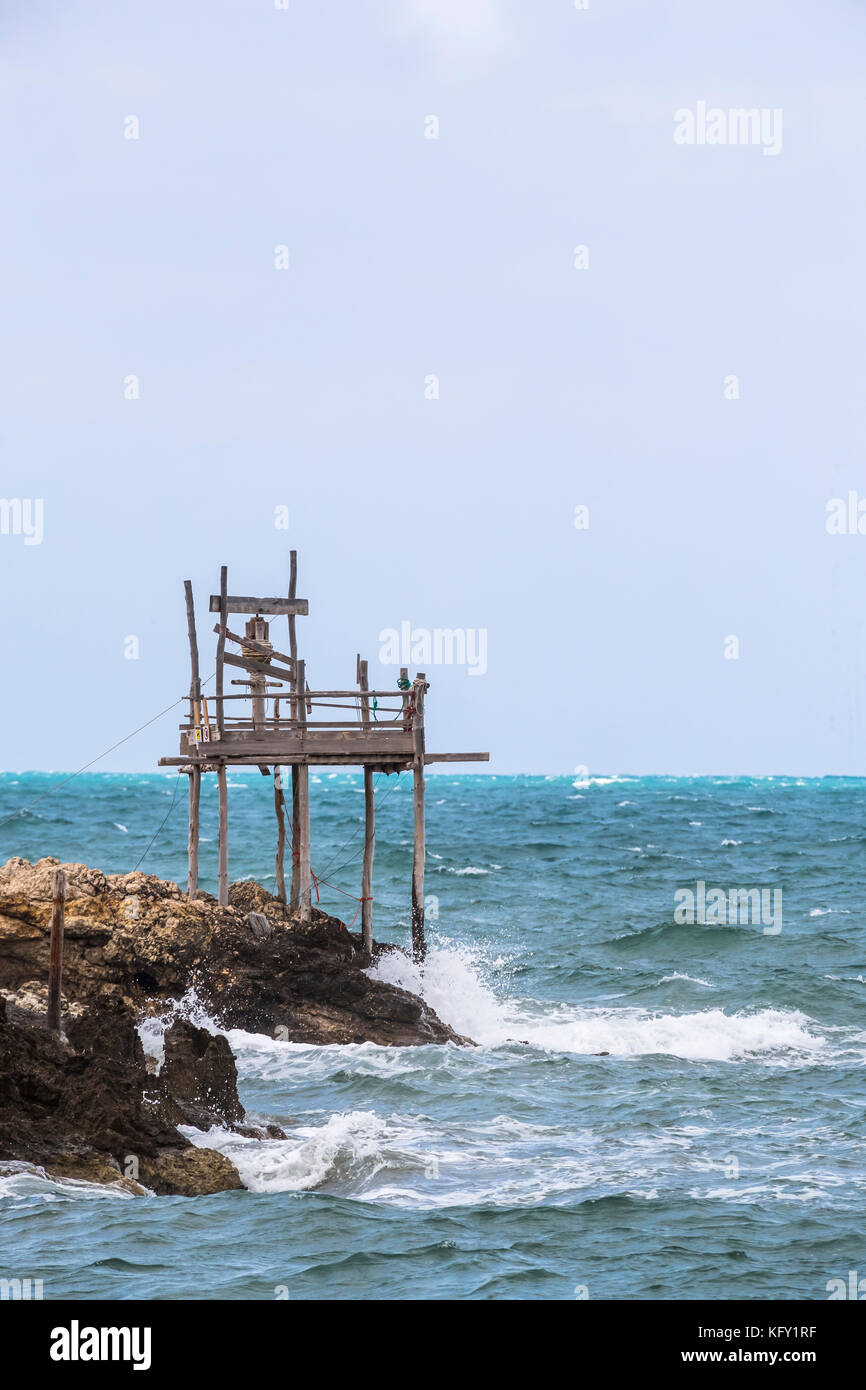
(665, 979)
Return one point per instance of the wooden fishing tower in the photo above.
(261, 735)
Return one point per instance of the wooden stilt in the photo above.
(192, 850)
(369, 820)
(419, 948)
(404, 676)
(369, 851)
(221, 646)
(295, 899)
(223, 836)
(55, 958)
(194, 719)
(306, 903)
(279, 805)
(295, 892)
(293, 593)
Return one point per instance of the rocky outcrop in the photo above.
(85, 1105)
(254, 965)
(199, 1074)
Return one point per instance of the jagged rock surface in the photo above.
(85, 1106)
(138, 939)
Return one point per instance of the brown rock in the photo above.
(190, 1172)
(138, 939)
(87, 1107)
(200, 1075)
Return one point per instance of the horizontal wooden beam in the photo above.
(457, 757)
(353, 694)
(378, 760)
(262, 649)
(259, 668)
(271, 746)
(217, 752)
(386, 736)
(294, 726)
(239, 603)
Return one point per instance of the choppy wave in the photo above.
(454, 982)
(451, 983)
(26, 1182)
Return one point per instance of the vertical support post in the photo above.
(306, 903)
(258, 630)
(279, 805)
(223, 835)
(419, 948)
(195, 682)
(369, 821)
(221, 646)
(369, 851)
(404, 686)
(195, 720)
(295, 897)
(295, 894)
(363, 679)
(55, 958)
(192, 848)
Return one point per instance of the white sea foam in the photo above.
(462, 873)
(412, 1162)
(452, 982)
(24, 1181)
(692, 979)
(404, 1161)
(348, 1149)
(600, 781)
(152, 1030)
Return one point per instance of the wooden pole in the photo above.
(303, 805)
(295, 897)
(295, 893)
(279, 805)
(223, 836)
(258, 630)
(55, 958)
(221, 645)
(404, 676)
(195, 718)
(369, 851)
(304, 885)
(419, 948)
(369, 821)
(192, 847)
(195, 683)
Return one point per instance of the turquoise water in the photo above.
(718, 1151)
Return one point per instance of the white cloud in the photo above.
(462, 37)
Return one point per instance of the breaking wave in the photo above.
(451, 982)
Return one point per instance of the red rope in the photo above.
(317, 881)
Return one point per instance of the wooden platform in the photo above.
(280, 730)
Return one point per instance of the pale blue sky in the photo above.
(408, 256)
